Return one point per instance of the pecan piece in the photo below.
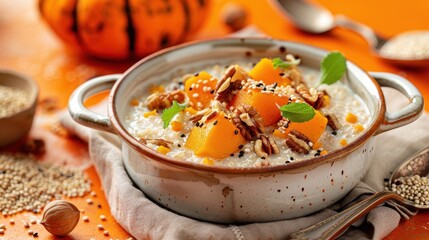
(203, 115)
(259, 149)
(199, 115)
(320, 101)
(161, 101)
(248, 121)
(333, 121)
(157, 141)
(228, 84)
(295, 76)
(298, 142)
(311, 96)
(265, 146)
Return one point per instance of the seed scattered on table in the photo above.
(12, 100)
(1, 231)
(2, 226)
(414, 188)
(12, 221)
(33, 221)
(85, 218)
(26, 225)
(102, 218)
(35, 234)
(28, 185)
(106, 233)
(100, 227)
(89, 201)
(93, 194)
(30, 232)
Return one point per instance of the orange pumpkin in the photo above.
(120, 29)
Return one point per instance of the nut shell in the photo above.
(60, 217)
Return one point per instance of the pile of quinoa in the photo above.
(12, 100)
(28, 185)
(414, 188)
(408, 45)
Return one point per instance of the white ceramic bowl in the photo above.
(227, 195)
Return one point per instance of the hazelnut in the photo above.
(60, 217)
(234, 16)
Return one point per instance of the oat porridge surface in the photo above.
(143, 121)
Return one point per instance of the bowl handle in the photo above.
(83, 115)
(407, 114)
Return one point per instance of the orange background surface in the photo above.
(27, 45)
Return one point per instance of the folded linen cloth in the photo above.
(146, 220)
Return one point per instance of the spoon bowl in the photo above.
(315, 19)
(333, 226)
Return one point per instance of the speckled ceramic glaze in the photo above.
(231, 195)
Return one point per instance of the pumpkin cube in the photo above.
(200, 90)
(265, 71)
(266, 103)
(217, 138)
(313, 129)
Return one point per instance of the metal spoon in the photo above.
(316, 19)
(334, 226)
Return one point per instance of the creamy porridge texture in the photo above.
(236, 115)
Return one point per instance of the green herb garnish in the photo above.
(169, 113)
(279, 63)
(332, 67)
(297, 112)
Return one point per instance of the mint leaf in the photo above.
(332, 67)
(279, 63)
(169, 113)
(297, 112)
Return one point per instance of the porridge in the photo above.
(268, 113)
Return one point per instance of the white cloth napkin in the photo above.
(146, 220)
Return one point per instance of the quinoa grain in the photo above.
(12, 100)
(29, 185)
(414, 188)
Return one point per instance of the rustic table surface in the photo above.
(27, 45)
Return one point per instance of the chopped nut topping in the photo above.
(248, 121)
(157, 141)
(227, 85)
(311, 96)
(298, 142)
(265, 146)
(203, 115)
(199, 115)
(295, 76)
(161, 101)
(319, 102)
(259, 149)
(333, 121)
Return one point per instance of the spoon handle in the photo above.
(374, 40)
(335, 225)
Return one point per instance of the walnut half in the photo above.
(230, 82)
(265, 146)
(298, 142)
(248, 121)
(161, 101)
(311, 96)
